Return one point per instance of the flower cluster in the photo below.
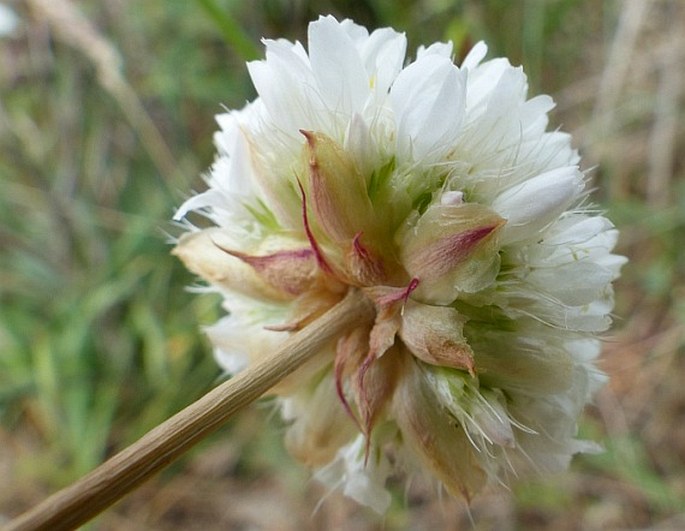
(436, 191)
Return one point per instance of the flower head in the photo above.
(435, 190)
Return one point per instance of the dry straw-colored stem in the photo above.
(78, 503)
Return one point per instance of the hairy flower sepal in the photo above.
(434, 334)
(258, 273)
(336, 189)
(452, 249)
(430, 430)
(344, 225)
(372, 359)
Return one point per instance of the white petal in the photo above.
(288, 90)
(442, 49)
(613, 262)
(475, 56)
(359, 143)
(358, 34)
(242, 339)
(535, 110)
(337, 67)
(428, 100)
(234, 173)
(593, 317)
(363, 482)
(483, 80)
(576, 229)
(211, 198)
(574, 284)
(534, 204)
(231, 361)
(383, 54)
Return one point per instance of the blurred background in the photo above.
(106, 117)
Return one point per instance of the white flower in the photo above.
(437, 191)
(361, 478)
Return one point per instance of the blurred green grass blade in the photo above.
(98, 409)
(627, 458)
(231, 30)
(458, 31)
(154, 353)
(533, 39)
(46, 378)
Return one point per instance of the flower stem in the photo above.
(93, 493)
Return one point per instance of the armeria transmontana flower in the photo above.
(436, 190)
